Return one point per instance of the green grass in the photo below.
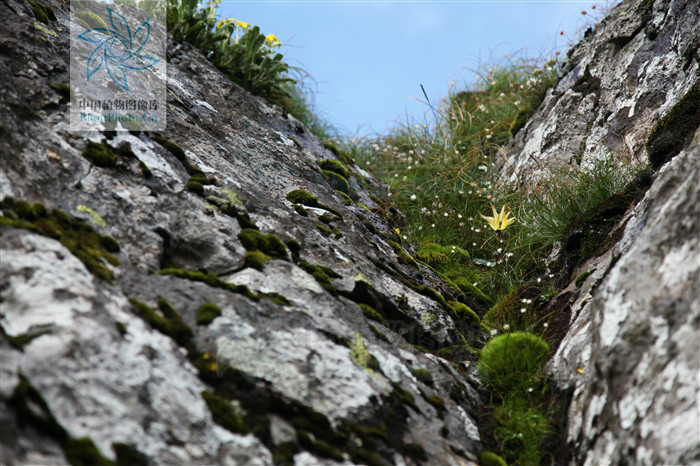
(440, 176)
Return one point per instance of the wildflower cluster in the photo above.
(247, 56)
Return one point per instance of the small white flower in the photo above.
(446, 214)
(551, 275)
(488, 136)
(523, 300)
(506, 327)
(523, 310)
(529, 390)
(413, 197)
(432, 225)
(539, 280)
(499, 250)
(494, 332)
(545, 325)
(459, 215)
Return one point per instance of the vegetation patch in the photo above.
(362, 357)
(207, 312)
(322, 274)
(510, 363)
(267, 244)
(303, 197)
(81, 239)
(337, 181)
(166, 320)
(423, 375)
(42, 12)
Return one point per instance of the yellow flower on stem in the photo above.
(242, 24)
(499, 221)
(223, 23)
(272, 40)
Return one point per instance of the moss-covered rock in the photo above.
(337, 182)
(224, 413)
(491, 459)
(207, 312)
(81, 239)
(100, 155)
(269, 244)
(463, 312)
(334, 166)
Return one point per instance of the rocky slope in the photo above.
(325, 343)
(325, 329)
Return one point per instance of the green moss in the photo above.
(100, 155)
(121, 328)
(491, 459)
(255, 259)
(437, 402)
(507, 310)
(326, 218)
(94, 216)
(128, 455)
(371, 313)
(335, 167)
(63, 90)
(432, 258)
(303, 197)
(109, 244)
(81, 239)
(675, 129)
(445, 431)
(83, 452)
(293, 246)
(270, 244)
(582, 277)
(463, 312)
(325, 231)
(89, 20)
(167, 321)
(432, 293)
(178, 152)
(318, 447)
(283, 453)
(362, 357)
(337, 182)
(404, 257)
(520, 120)
(276, 298)
(195, 187)
(42, 12)
(145, 171)
(211, 280)
(423, 375)
(415, 451)
(225, 414)
(301, 210)
(207, 312)
(521, 427)
(510, 363)
(347, 200)
(321, 274)
(367, 457)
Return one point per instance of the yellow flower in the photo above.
(242, 24)
(498, 221)
(398, 232)
(272, 40)
(223, 23)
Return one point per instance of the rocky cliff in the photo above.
(217, 294)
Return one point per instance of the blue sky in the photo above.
(369, 58)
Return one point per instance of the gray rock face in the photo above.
(616, 85)
(312, 380)
(636, 341)
(629, 366)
